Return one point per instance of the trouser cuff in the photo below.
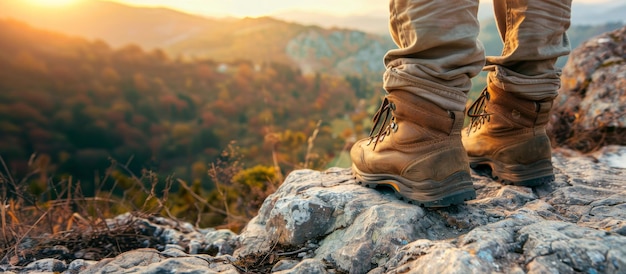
(536, 88)
(447, 98)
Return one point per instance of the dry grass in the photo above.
(63, 223)
(37, 226)
(566, 130)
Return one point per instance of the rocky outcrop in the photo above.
(324, 222)
(591, 108)
(575, 224)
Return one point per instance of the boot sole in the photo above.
(535, 174)
(454, 190)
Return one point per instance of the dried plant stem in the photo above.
(4, 181)
(279, 173)
(310, 142)
(17, 243)
(4, 222)
(203, 201)
(213, 173)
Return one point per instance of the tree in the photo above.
(27, 62)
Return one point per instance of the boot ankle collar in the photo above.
(414, 109)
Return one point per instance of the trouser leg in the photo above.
(438, 50)
(533, 32)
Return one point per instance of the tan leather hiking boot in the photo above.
(417, 152)
(507, 138)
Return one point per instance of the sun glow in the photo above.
(51, 3)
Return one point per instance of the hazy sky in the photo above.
(255, 8)
(241, 8)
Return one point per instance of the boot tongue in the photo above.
(416, 110)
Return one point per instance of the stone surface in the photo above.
(575, 224)
(46, 265)
(152, 261)
(181, 234)
(324, 222)
(77, 266)
(594, 80)
(592, 97)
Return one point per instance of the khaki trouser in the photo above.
(439, 51)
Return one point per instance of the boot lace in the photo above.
(382, 129)
(476, 112)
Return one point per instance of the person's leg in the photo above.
(415, 146)
(533, 32)
(438, 50)
(507, 133)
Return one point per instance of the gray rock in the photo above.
(569, 225)
(591, 106)
(309, 266)
(174, 251)
(324, 222)
(78, 265)
(152, 261)
(46, 265)
(312, 205)
(425, 256)
(612, 156)
(285, 265)
(175, 234)
(223, 240)
(579, 249)
(594, 80)
(190, 265)
(125, 261)
(168, 231)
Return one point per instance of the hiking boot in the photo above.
(415, 148)
(507, 138)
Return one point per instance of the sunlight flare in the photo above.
(52, 3)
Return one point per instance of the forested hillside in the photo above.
(78, 105)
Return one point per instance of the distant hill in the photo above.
(317, 47)
(311, 48)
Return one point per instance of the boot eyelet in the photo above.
(515, 114)
(394, 127)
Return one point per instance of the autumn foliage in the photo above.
(139, 130)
